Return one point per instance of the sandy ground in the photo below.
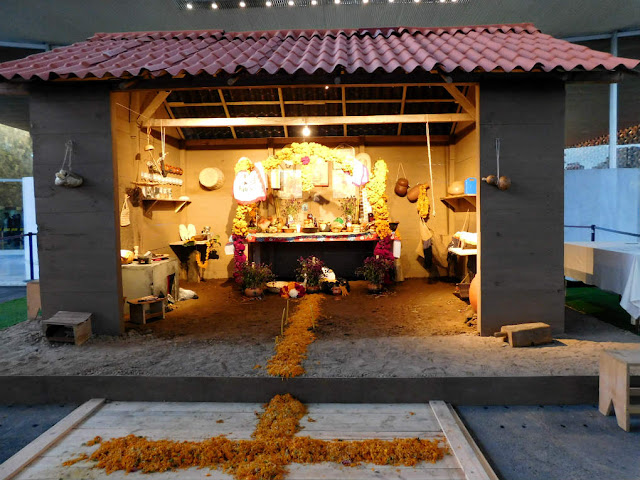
(417, 330)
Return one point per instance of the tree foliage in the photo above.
(16, 161)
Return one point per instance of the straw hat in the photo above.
(211, 178)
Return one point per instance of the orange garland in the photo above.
(266, 457)
(291, 349)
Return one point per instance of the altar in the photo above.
(343, 252)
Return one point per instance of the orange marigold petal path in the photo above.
(291, 349)
(267, 456)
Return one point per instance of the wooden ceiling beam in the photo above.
(170, 112)
(226, 111)
(311, 102)
(317, 120)
(343, 93)
(404, 102)
(154, 104)
(282, 112)
(459, 97)
(279, 142)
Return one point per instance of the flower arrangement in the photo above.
(310, 270)
(211, 247)
(240, 220)
(423, 202)
(243, 164)
(377, 197)
(291, 207)
(349, 207)
(375, 269)
(384, 249)
(239, 258)
(293, 290)
(306, 155)
(255, 275)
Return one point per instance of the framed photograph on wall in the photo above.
(342, 185)
(291, 186)
(321, 173)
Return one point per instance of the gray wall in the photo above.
(608, 198)
(78, 241)
(521, 229)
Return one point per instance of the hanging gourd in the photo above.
(65, 176)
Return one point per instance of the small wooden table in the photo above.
(615, 385)
(140, 314)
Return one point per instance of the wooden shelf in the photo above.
(149, 203)
(460, 203)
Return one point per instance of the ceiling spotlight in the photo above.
(214, 5)
(416, 1)
(291, 3)
(189, 6)
(326, 87)
(391, 1)
(242, 4)
(305, 131)
(314, 2)
(268, 3)
(337, 2)
(365, 2)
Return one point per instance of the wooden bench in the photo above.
(71, 327)
(139, 313)
(615, 385)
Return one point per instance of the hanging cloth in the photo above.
(433, 199)
(125, 214)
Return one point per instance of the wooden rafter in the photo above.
(310, 102)
(459, 97)
(154, 104)
(402, 105)
(302, 121)
(170, 112)
(343, 91)
(282, 112)
(226, 112)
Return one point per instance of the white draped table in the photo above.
(612, 266)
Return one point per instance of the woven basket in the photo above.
(211, 178)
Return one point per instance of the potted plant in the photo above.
(254, 276)
(310, 269)
(291, 208)
(374, 271)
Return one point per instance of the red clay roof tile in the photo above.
(469, 48)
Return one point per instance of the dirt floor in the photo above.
(416, 330)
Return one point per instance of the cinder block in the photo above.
(527, 334)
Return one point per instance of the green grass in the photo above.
(603, 305)
(12, 312)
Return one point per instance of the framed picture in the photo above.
(274, 178)
(321, 173)
(342, 185)
(291, 186)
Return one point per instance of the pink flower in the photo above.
(305, 160)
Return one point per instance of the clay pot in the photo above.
(336, 290)
(253, 292)
(374, 287)
(474, 290)
(413, 193)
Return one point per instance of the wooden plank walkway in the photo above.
(197, 421)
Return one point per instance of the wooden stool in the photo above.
(615, 388)
(139, 314)
(72, 327)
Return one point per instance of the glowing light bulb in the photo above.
(326, 87)
(268, 3)
(189, 6)
(214, 5)
(390, 1)
(314, 2)
(365, 2)
(337, 2)
(306, 131)
(291, 3)
(242, 4)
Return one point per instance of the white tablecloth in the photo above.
(612, 266)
